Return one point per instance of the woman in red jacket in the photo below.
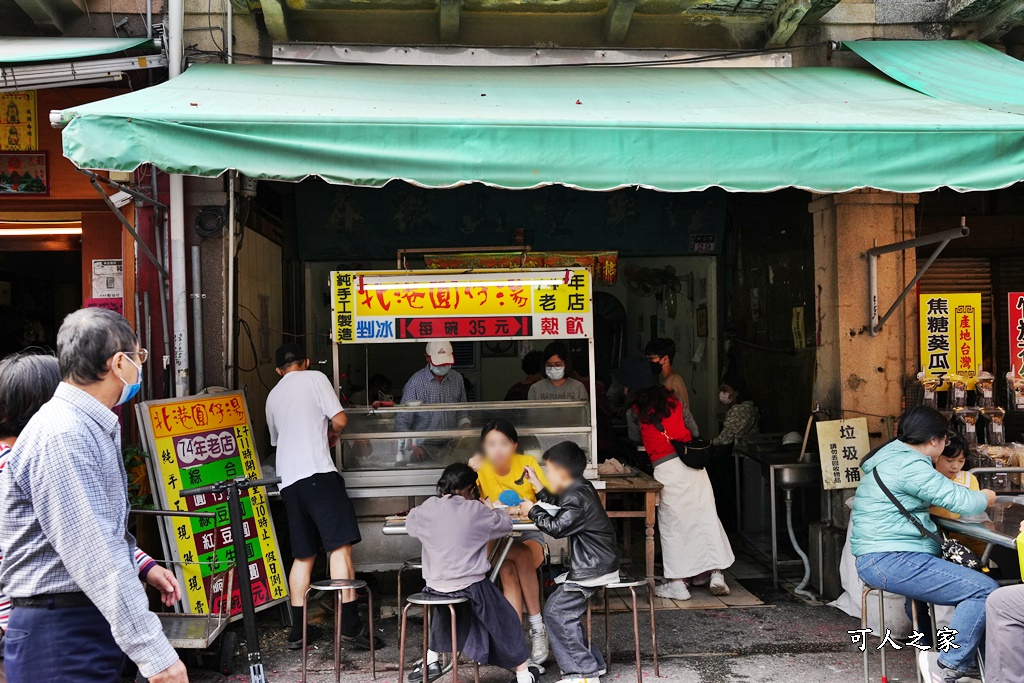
(694, 547)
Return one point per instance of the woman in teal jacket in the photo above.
(893, 555)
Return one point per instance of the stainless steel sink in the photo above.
(795, 475)
(788, 472)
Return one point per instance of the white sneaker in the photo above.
(718, 585)
(580, 679)
(673, 590)
(540, 650)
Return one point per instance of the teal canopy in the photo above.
(961, 71)
(19, 50)
(673, 129)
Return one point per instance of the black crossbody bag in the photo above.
(952, 550)
(695, 453)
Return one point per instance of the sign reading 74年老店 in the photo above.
(197, 441)
(475, 305)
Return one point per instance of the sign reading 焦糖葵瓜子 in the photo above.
(951, 336)
(468, 305)
(842, 445)
(1016, 330)
(198, 441)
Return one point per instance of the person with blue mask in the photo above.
(68, 565)
(437, 382)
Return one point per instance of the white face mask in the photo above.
(555, 374)
(440, 370)
(725, 397)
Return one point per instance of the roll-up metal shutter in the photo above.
(961, 276)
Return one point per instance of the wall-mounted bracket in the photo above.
(941, 238)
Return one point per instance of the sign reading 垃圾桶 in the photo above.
(951, 335)
(1016, 330)
(198, 441)
(480, 305)
(842, 445)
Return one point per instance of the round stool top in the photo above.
(413, 563)
(433, 599)
(626, 583)
(339, 584)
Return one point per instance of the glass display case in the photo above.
(401, 450)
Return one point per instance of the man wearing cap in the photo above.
(305, 419)
(435, 383)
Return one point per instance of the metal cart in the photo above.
(199, 631)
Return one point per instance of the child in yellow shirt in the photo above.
(500, 467)
(951, 465)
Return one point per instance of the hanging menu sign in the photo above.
(527, 304)
(198, 441)
(951, 336)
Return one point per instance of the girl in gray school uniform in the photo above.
(454, 528)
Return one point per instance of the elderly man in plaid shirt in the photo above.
(69, 563)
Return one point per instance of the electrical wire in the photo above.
(255, 356)
(287, 334)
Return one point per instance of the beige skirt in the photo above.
(692, 538)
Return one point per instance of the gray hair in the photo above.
(86, 341)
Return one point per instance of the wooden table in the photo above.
(637, 484)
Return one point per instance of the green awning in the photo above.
(961, 71)
(26, 50)
(674, 129)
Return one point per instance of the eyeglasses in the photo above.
(143, 355)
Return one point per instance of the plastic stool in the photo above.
(414, 563)
(428, 600)
(337, 586)
(632, 586)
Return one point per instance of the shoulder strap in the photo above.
(913, 520)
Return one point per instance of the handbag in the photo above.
(695, 453)
(952, 550)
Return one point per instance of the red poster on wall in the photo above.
(1016, 329)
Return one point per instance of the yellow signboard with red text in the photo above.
(198, 441)
(474, 305)
(951, 335)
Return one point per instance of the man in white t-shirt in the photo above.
(305, 419)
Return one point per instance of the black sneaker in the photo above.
(534, 671)
(361, 640)
(434, 671)
(312, 633)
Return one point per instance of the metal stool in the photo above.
(632, 586)
(414, 563)
(864, 624)
(881, 626)
(428, 600)
(337, 586)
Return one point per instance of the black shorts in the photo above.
(320, 514)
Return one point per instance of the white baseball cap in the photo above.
(440, 353)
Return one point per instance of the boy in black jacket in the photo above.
(595, 556)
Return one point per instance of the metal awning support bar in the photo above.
(130, 228)
(941, 238)
(123, 188)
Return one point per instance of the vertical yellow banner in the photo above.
(951, 335)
